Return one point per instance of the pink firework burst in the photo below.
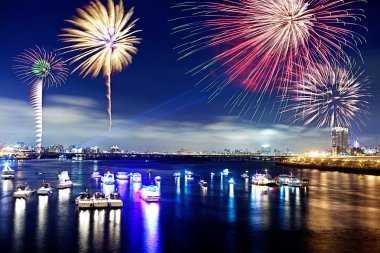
(330, 95)
(263, 43)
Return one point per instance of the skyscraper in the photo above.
(339, 140)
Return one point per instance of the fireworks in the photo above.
(262, 43)
(104, 39)
(330, 96)
(40, 67)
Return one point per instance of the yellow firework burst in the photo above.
(103, 39)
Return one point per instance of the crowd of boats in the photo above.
(256, 179)
(149, 193)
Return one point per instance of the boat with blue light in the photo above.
(136, 177)
(7, 172)
(122, 175)
(150, 193)
(108, 178)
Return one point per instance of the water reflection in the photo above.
(151, 212)
(84, 230)
(6, 187)
(19, 223)
(42, 221)
(98, 228)
(114, 230)
(107, 189)
(231, 204)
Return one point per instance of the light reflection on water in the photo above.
(42, 221)
(151, 213)
(325, 215)
(19, 223)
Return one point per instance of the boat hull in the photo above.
(100, 204)
(23, 194)
(64, 185)
(44, 191)
(115, 203)
(84, 204)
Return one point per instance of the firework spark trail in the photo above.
(36, 102)
(262, 41)
(104, 40)
(39, 68)
(333, 95)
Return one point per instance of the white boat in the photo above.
(99, 200)
(23, 191)
(177, 174)
(263, 179)
(84, 200)
(189, 175)
(245, 174)
(231, 181)
(150, 193)
(122, 175)
(225, 172)
(114, 200)
(294, 181)
(203, 183)
(282, 179)
(64, 180)
(136, 177)
(45, 189)
(7, 172)
(157, 179)
(212, 174)
(108, 178)
(96, 174)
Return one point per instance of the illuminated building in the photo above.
(339, 140)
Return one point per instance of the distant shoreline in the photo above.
(352, 170)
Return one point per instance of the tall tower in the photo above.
(339, 140)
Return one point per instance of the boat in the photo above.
(7, 172)
(23, 191)
(122, 175)
(108, 178)
(305, 182)
(177, 174)
(99, 200)
(64, 180)
(157, 179)
(189, 175)
(212, 174)
(282, 179)
(294, 181)
(150, 193)
(245, 174)
(231, 181)
(136, 177)
(263, 179)
(225, 172)
(96, 174)
(84, 200)
(62, 157)
(45, 189)
(202, 183)
(114, 200)
(40, 173)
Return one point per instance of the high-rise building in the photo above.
(339, 140)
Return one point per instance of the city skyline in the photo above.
(154, 101)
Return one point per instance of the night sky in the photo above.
(156, 106)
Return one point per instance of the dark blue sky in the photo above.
(153, 92)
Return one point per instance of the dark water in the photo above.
(337, 213)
